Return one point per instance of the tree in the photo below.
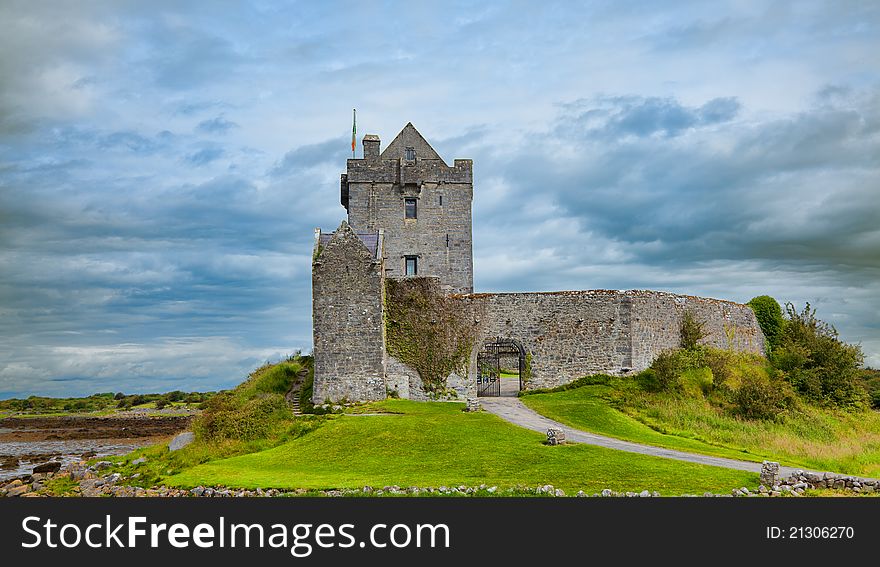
(769, 316)
(692, 331)
(817, 363)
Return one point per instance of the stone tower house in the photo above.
(422, 205)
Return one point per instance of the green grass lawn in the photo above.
(433, 444)
(588, 408)
(812, 438)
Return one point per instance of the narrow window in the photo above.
(441, 200)
(412, 265)
(410, 153)
(410, 207)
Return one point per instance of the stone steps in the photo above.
(292, 395)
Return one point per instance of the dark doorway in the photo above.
(500, 366)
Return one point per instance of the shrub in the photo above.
(696, 382)
(770, 319)
(227, 418)
(871, 379)
(720, 362)
(692, 331)
(817, 363)
(763, 397)
(667, 369)
(255, 409)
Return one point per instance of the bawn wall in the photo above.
(571, 334)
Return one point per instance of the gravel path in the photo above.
(514, 411)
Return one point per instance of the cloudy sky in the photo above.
(162, 167)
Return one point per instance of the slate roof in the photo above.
(370, 240)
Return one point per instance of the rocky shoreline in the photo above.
(96, 480)
(26, 442)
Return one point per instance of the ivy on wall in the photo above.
(427, 330)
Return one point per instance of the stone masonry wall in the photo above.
(571, 334)
(348, 322)
(441, 235)
(657, 317)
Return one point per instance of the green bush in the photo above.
(820, 366)
(720, 363)
(696, 382)
(255, 409)
(762, 397)
(692, 331)
(871, 379)
(228, 418)
(769, 316)
(667, 370)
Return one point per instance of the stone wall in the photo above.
(657, 316)
(406, 382)
(347, 319)
(571, 334)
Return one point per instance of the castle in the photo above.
(394, 311)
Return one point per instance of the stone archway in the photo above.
(500, 366)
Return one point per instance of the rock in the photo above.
(139, 461)
(473, 404)
(492, 489)
(644, 494)
(558, 492)
(770, 473)
(18, 490)
(581, 494)
(101, 465)
(181, 441)
(606, 492)
(555, 436)
(112, 479)
(47, 467)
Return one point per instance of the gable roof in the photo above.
(369, 239)
(410, 137)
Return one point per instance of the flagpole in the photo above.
(353, 131)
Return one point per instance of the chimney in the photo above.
(371, 146)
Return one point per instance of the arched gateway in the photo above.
(500, 366)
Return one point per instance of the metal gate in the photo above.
(489, 365)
